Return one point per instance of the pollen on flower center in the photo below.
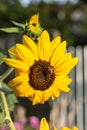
(41, 75)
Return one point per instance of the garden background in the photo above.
(69, 20)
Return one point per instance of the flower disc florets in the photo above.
(41, 75)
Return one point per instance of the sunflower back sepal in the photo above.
(18, 24)
(12, 30)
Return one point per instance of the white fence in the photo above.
(70, 109)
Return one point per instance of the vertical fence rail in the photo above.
(79, 89)
(85, 86)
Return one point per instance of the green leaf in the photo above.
(2, 55)
(11, 100)
(12, 30)
(19, 24)
(5, 88)
(10, 97)
(2, 116)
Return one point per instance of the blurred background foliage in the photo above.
(68, 20)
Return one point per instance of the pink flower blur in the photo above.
(4, 128)
(18, 126)
(34, 122)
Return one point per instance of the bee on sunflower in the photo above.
(41, 69)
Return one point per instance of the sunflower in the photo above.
(41, 69)
(44, 126)
(33, 28)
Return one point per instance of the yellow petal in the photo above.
(59, 52)
(46, 95)
(54, 92)
(29, 43)
(62, 83)
(65, 128)
(29, 92)
(20, 88)
(34, 19)
(18, 80)
(12, 51)
(54, 128)
(54, 44)
(17, 64)
(63, 59)
(62, 79)
(24, 54)
(23, 90)
(66, 67)
(68, 56)
(44, 46)
(21, 85)
(37, 97)
(74, 128)
(44, 124)
(62, 87)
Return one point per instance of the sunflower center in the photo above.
(41, 75)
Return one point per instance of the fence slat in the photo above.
(72, 104)
(85, 84)
(79, 89)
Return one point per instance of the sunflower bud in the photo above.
(33, 28)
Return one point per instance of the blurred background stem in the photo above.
(5, 75)
(4, 102)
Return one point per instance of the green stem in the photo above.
(5, 75)
(6, 110)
